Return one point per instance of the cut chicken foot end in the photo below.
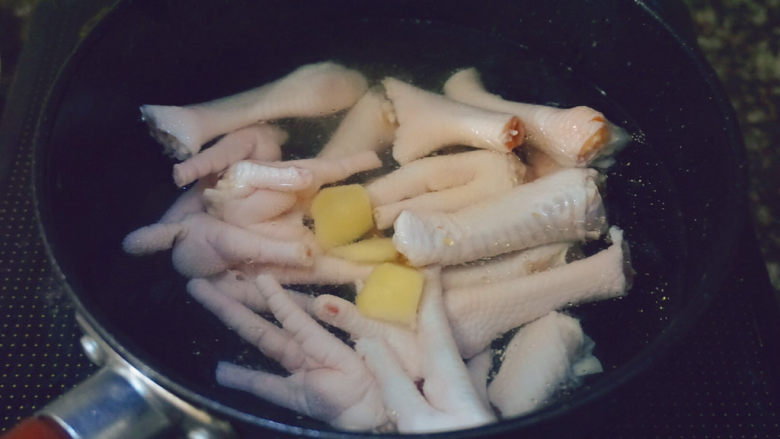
(309, 91)
(573, 136)
(328, 380)
(428, 122)
(448, 400)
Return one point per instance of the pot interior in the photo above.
(100, 175)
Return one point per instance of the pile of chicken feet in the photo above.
(490, 231)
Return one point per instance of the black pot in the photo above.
(676, 190)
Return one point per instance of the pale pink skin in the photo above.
(565, 206)
(344, 315)
(258, 142)
(539, 164)
(448, 400)
(251, 192)
(536, 362)
(282, 230)
(506, 266)
(288, 227)
(260, 206)
(572, 137)
(428, 122)
(244, 177)
(479, 370)
(237, 286)
(324, 270)
(189, 202)
(443, 183)
(402, 340)
(327, 381)
(310, 91)
(332, 170)
(481, 313)
(367, 126)
(203, 245)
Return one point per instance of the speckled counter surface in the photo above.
(741, 39)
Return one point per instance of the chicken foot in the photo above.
(428, 121)
(573, 137)
(203, 245)
(565, 206)
(367, 126)
(506, 266)
(309, 91)
(324, 270)
(257, 142)
(251, 192)
(344, 315)
(537, 362)
(234, 284)
(481, 313)
(443, 183)
(448, 400)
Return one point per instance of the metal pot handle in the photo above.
(115, 403)
(109, 404)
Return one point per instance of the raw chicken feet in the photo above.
(327, 381)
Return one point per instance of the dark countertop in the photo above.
(741, 39)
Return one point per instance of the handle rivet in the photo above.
(93, 350)
(200, 433)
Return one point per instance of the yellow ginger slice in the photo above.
(372, 250)
(341, 215)
(391, 293)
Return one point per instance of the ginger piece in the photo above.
(372, 250)
(341, 214)
(391, 293)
